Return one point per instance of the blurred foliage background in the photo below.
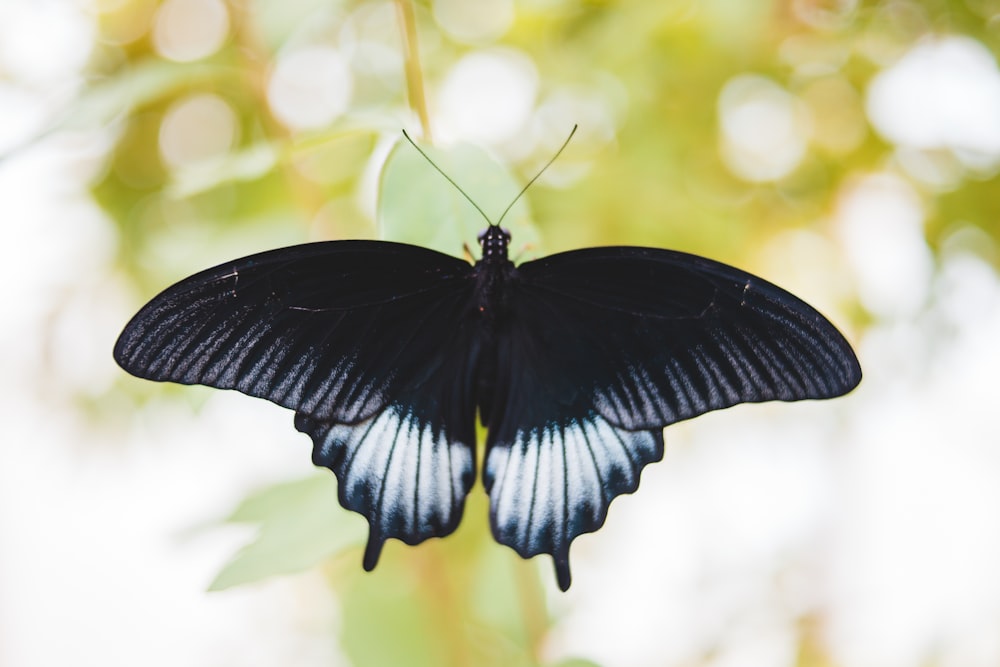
(842, 148)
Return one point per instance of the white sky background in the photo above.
(104, 550)
(876, 514)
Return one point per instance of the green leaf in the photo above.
(391, 624)
(418, 205)
(575, 662)
(276, 21)
(138, 85)
(119, 95)
(247, 164)
(336, 156)
(301, 524)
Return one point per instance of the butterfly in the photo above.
(574, 363)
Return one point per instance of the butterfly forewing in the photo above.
(370, 344)
(318, 328)
(670, 336)
(603, 348)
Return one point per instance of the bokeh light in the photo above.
(369, 39)
(943, 94)
(197, 128)
(69, 38)
(488, 96)
(765, 129)
(310, 87)
(477, 22)
(880, 220)
(186, 30)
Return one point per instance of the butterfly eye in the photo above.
(482, 236)
(506, 234)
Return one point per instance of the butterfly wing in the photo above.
(372, 345)
(606, 346)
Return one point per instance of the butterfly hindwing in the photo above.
(406, 473)
(550, 483)
(604, 347)
(370, 344)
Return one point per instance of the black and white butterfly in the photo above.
(574, 362)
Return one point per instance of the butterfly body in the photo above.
(574, 362)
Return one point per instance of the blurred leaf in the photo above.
(137, 85)
(575, 662)
(301, 524)
(454, 601)
(247, 164)
(508, 596)
(334, 157)
(276, 21)
(389, 625)
(418, 205)
(119, 95)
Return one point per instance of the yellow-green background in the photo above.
(87, 447)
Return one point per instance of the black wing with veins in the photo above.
(371, 343)
(605, 347)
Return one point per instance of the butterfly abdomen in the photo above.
(492, 313)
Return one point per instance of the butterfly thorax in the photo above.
(494, 241)
(493, 272)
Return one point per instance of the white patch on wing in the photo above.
(400, 472)
(632, 397)
(329, 388)
(548, 485)
(681, 388)
(583, 479)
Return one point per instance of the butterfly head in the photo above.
(494, 241)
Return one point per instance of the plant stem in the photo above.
(414, 73)
(533, 611)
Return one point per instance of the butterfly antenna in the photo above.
(449, 179)
(540, 172)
